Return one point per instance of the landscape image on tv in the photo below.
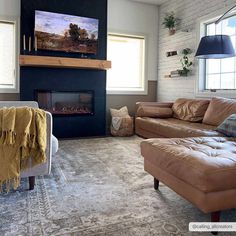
(60, 32)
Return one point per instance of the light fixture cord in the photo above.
(217, 22)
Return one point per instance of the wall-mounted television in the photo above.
(68, 33)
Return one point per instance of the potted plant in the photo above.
(186, 64)
(170, 22)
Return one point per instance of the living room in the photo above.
(117, 117)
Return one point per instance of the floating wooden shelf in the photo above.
(176, 77)
(64, 62)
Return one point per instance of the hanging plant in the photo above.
(186, 64)
(170, 22)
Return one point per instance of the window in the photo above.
(8, 58)
(220, 74)
(127, 53)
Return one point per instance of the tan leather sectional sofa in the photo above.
(190, 118)
(191, 159)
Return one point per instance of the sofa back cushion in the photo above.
(155, 112)
(219, 109)
(190, 109)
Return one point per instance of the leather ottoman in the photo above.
(202, 170)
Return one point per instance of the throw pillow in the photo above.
(122, 112)
(219, 109)
(190, 109)
(155, 112)
(228, 127)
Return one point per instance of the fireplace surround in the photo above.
(71, 80)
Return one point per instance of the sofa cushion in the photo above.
(173, 128)
(218, 110)
(190, 109)
(149, 111)
(228, 127)
(206, 163)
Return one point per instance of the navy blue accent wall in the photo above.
(61, 79)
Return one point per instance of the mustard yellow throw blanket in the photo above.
(22, 136)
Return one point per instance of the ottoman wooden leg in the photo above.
(156, 184)
(215, 217)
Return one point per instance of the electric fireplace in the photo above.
(66, 103)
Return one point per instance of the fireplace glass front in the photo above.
(66, 103)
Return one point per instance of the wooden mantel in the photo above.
(63, 62)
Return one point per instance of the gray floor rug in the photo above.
(98, 187)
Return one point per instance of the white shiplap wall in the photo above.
(189, 11)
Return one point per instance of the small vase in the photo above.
(172, 31)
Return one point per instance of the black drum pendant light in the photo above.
(216, 46)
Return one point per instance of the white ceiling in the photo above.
(156, 2)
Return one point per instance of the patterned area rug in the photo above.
(98, 187)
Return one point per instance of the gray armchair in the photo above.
(52, 144)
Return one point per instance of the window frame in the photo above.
(15, 21)
(200, 86)
(130, 91)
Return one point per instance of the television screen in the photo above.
(60, 32)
